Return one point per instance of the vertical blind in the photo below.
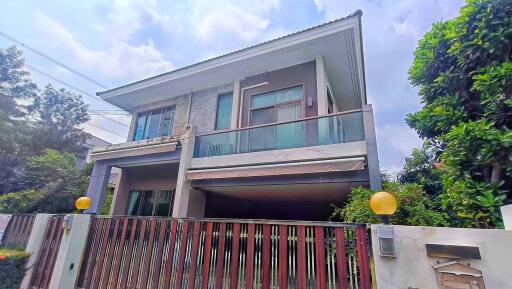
(277, 106)
(224, 104)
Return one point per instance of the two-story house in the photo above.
(278, 130)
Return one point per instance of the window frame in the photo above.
(275, 106)
(155, 194)
(148, 114)
(217, 111)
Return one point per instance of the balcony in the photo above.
(344, 127)
(136, 148)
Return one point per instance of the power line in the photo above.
(53, 60)
(94, 112)
(105, 129)
(91, 111)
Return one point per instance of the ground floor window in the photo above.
(151, 203)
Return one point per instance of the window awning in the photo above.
(336, 165)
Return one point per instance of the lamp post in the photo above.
(383, 204)
(83, 203)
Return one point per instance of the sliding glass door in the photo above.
(276, 107)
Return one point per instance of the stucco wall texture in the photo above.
(412, 268)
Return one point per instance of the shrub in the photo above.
(12, 268)
(415, 208)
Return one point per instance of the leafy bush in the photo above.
(415, 208)
(12, 268)
(55, 183)
(20, 202)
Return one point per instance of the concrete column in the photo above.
(98, 186)
(321, 86)
(131, 130)
(235, 108)
(121, 192)
(506, 214)
(34, 245)
(183, 186)
(371, 148)
(67, 264)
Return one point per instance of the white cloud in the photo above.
(230, 21)
(400, 137)
(126, 17)
(120, 60)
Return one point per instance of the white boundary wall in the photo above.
(412, 268)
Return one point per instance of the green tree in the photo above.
(464, 71)
(15, 88)
(415, 208)
(59, 114)
(420, 168)
(54, 181)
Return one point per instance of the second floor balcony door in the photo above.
(277, 107)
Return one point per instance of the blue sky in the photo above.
(116, 42)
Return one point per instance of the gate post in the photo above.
(34, 245)
(65, 272)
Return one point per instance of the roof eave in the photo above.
(347, 22)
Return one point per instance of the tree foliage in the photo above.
(58, 114)
(414, 207)
(15, 88)
(40, 138)
(420, 168)
(55, 183)
(464, 71)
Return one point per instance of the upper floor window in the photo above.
(224, 104)
(154, 123)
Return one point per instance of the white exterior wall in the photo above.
(506, 213)
(412, 268)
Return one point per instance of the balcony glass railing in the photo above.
(330, 129)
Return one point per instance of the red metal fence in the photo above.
(43, 267)
(126, 252)
(18, 231)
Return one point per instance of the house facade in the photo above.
(279, 130)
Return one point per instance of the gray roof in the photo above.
(357, 13)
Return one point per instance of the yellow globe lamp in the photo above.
(83, 203)
(383, 204)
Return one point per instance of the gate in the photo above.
(43, 267)
(18, 231)
(150, 252)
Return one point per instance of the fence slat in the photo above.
(193, 255)
(249, 272)
(164, 253)
(169, 262)
(207, 255)
(119, 254)
(362, 256)
(136, 265)
(45, 251)
(128, 260)
(320, 257)
(341, 257)
(111, 250)
(219, 268)
(301, 257)
(159, 254)
(54, 247)
(235, 249)
(283, 257)
(182, 255)
(148, 254)
(99, 268)
(266, 257)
